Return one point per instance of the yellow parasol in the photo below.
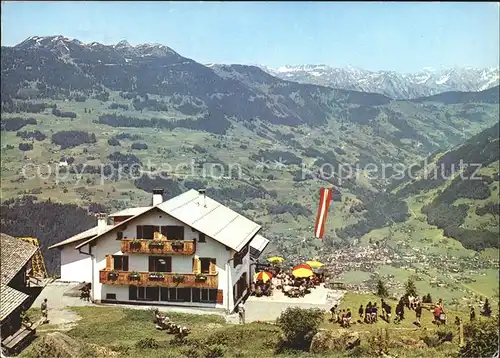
(263, 276)
(302, 271)
(276, 259)
(314, 264)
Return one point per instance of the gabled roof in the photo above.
(131, 211)
(81, 236)
(15, 254)
(204, 215)
(10, 299)
(211, 218)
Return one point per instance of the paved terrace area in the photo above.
(269, 308)
(62, 295)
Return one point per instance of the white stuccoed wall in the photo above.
(108, 245)
(75, 267)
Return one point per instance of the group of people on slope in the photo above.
(370, 313)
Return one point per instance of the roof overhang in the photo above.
(257, 246)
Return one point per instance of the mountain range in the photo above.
(389, 83)
(106, 104)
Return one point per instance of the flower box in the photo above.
(177, 245)
(135, 276)
(178, 278)
(201, 278)
(157, 276)
(155, 245)
(113, 275)
(135, 245)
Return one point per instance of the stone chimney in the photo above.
(157, 196)
(102, 223)
(203, 192)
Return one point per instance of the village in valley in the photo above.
(184, 256)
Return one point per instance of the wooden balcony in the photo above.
(158, 247)
(166, 279)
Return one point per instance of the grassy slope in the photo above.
(120, 329)
(172, 148)
(417, 234)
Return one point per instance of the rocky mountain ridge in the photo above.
(395, 85)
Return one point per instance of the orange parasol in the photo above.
(263, 276)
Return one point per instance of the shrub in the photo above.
(25, 146)
(481, 339)
(139, 146)
(299, 326)
(381, 289)
(379, 342)
(215, 351)
(147, 343)
(113, 142)
(217, 338)
(410, 288)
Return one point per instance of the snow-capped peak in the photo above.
(428, 81)
(123, 43)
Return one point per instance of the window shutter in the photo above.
(109, 262)
(213, 268)
(196, 265)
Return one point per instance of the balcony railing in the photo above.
(165, 247)
(162, 279)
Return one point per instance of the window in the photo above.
(160, 264)
(119, 235)
(212, 295)
(184, 294)
(111, 296)
(164, 293)
(132, 293)
(196, 294)
(201, 237)
(143, 293)
(238, 257)
(147, 231)
(152, 293)
(204, 295)
(120, 262)
(172, 294)
(205, 264)
(174, 232)
(136, 293)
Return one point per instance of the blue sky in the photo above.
(402, 37)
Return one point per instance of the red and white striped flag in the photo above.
(325, 198)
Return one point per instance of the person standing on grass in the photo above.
(472, 314)
(374, 313)
(387, 311)
(418, 313)
(241, 312)
(44, 309)
(361, 311)
(333, 311)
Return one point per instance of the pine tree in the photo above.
(381, 289)
(486, 309)
(410, 288)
